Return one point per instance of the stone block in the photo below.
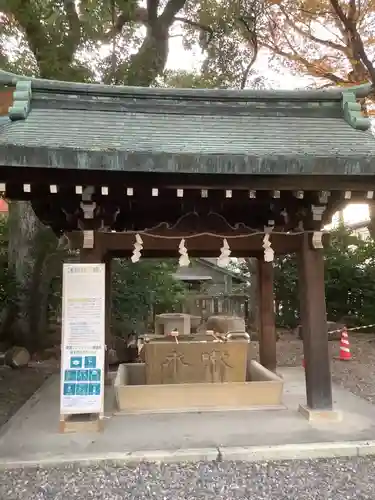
(209, 361)
(165, 323)
(225, 324)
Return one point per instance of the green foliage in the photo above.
(228, 40)
(119, 41)
(286, 291)
(143, 287)
(349, 279)
(184, 79)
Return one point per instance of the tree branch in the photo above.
(72, 17)
(353, 36)
(152, 10)
(25, 15)
(149, 16)
(253, 40)
(250, 23)
(202, 27)
(73, 37)
(251, 30)
(138, 15)
(310, 67)
(352, 11)
(247, 70)
(109, 78)
(172, 8)
(53, 59)
(308, 34)
(150, 60)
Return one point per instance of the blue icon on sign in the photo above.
(70, 375)
(90, 361)
(94, 375)
(82, 389)
(69, 389)
(82, 375)
(94, 389)
(76, 362)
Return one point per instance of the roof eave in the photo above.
(186, 163)
(222, 270)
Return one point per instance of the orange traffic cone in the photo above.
(345, 354)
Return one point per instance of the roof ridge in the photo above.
(336, 93)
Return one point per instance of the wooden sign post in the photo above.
(83, 347)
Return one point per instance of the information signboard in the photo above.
(83, 339)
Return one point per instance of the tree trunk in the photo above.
(23, 323)
(22, 226)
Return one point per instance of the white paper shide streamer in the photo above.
(184, 260)
(224, 258)
(268, 250)
(317, 239)
(138, 247)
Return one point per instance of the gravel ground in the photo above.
(17, 386)
(337, 479)
(358, 375)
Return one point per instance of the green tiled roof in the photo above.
(62, 124)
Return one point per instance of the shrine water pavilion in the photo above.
(187, 171)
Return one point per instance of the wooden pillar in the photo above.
(267, 330)
(108, 311)
(216, 305)
(314, 327)
(91, 255)
(94, 256)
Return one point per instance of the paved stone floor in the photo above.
(336, 479)
(32, 434)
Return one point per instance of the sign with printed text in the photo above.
(83, 339)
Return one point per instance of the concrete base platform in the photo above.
(320, 415)
(81, 423)
(32, 435)
(263, 389)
